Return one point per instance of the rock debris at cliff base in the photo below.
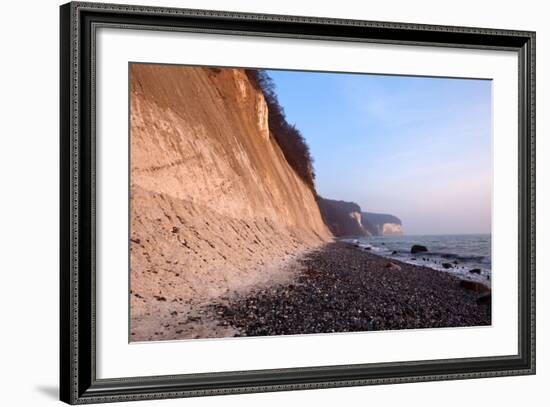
(343, 289)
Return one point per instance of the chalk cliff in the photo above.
(342, 218)
(382, 224)
(213, 199)
(346, 219)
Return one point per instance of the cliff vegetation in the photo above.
(288, 136)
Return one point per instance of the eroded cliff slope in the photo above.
(213, 200)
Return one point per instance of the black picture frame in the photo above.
(78, 382)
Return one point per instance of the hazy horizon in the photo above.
(414, 147)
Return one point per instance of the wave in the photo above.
(472, 266)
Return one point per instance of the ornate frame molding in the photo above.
(78, 380)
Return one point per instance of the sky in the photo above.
(414, 147)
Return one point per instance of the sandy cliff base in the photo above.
(197, 318)
(184, 256)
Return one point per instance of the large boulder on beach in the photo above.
(474, 286)
(484, 299)
(418, 248)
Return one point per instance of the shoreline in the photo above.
(460, 262)
(334, 288)
(433, 264)
(345, 289)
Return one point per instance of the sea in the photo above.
(463, 252)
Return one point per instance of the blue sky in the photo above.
(418, 148)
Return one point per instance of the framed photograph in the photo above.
(255, 203)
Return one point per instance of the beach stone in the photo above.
(417, 248)
(475, 271)
(393, 266)
(474, 286)
(484, 299)
(447, 265)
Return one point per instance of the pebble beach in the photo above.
(344, 289)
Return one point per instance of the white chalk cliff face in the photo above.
(213, 199)
(379, 224)
(346, 219)
(356, 216)
(392, 229)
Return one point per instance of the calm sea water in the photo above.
(463, 252)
